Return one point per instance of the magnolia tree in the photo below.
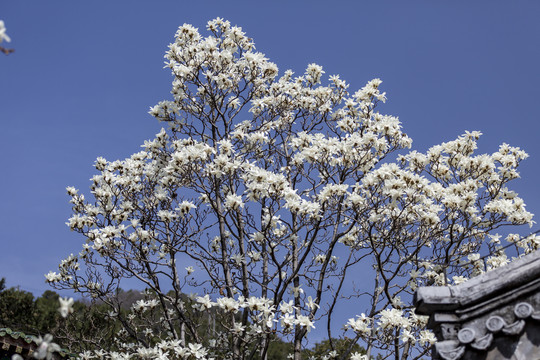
(263, 197)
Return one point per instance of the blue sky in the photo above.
(84, 75)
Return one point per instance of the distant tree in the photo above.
(21, 311)
(17, 309)
(279, 349)
(89, 327)
(46, 311)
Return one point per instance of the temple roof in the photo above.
(495, 315)
(17, 342)
(521, 274)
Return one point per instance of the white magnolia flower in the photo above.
(320, 259)
(287, 322)
(305, 322)
(228, 304)
(427, 337)
(238, 328)
(46, 348)
(66, 306)
(287, 307)
(358, 356)
(407, 336)
(296, 291)
(197, 350)
(360, 324)
(3, 35)
(393, 318)
(52, 277)
(234, 202)
(458, 279)
(311, 304)
(205, 302)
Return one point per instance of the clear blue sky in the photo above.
(84, 75)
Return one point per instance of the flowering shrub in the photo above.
(263, 194)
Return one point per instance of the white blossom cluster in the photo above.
(266, 191)
(163, 350)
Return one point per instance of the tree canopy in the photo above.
(263, 195)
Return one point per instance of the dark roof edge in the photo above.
(446, 298)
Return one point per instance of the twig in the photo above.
(6, 51)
